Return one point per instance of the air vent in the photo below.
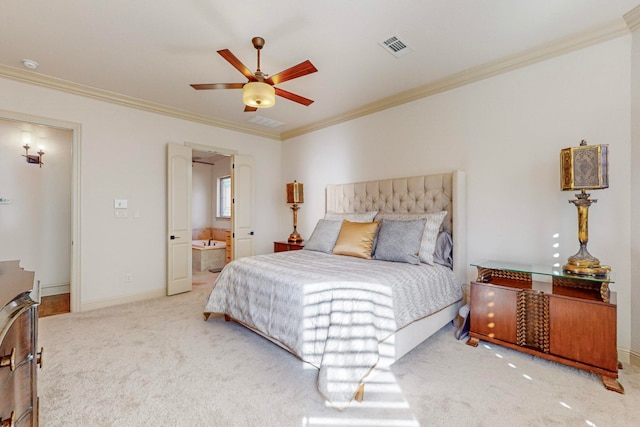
(263, 121)
(395, 46)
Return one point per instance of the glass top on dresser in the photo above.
(543, 270)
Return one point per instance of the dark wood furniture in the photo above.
(569, 319)
(287, 246)
(18, 343)
(228, 252)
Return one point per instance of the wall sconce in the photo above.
(584, 168)
(295, 195)
(31, 158)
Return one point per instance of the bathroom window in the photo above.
(224, 197)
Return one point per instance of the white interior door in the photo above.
(178, 219)
(242, 205)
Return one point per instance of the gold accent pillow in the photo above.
(356, 239)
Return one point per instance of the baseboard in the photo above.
(49, 290)
(108, 302)
(634, 358)
(629, 356)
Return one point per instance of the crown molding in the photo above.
(124, 100)
(612, 30)
(633, 18)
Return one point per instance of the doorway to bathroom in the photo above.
(210, 211)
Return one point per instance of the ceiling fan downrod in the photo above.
(258, 43)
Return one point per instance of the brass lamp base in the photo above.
(295, 237)
(585, 264)
(595, 270)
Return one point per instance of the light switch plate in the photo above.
(120, 203)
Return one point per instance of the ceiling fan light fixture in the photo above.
(258, 95)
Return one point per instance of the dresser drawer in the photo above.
(19, 336)
(17, 386)
(18, 395)
(18, 343)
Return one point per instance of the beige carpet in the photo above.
(157, 363)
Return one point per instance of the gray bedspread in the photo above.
(331, 311)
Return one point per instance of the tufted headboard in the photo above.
(417, 194)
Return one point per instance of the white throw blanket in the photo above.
(332, 311)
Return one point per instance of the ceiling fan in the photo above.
(260, 90)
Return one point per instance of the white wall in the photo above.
(35, 228)
(123, 156)
(506, 133)
(635, 185)
(202, 202)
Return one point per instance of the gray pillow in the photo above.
(443, 254)
(399, 241)
(430, 234)
(324, 236)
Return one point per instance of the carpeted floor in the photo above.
(158, 363)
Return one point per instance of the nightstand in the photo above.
(563, 317)
(287, 246)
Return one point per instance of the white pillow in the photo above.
(429, 236)
(351, 217)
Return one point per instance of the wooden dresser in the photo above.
(18, 344)
(569, 319)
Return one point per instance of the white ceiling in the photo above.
(153, 49)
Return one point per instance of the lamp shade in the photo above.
(258, 95)
(295, 193)
(585, 167)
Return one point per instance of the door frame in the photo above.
(211, 149)
(75, 287)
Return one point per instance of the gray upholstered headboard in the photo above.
(417, 194)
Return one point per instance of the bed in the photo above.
(345, 313)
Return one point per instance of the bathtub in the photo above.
(204, 244)
(205, 257)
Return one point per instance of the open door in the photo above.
(178, 219)
(242, 210)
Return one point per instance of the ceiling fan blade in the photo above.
(293, 97)
(302, 69)
(217, 86)
(248, 109)
(235, 62)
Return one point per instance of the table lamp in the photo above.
(584, 168)
(295, 196)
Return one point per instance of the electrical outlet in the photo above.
(128, 278)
